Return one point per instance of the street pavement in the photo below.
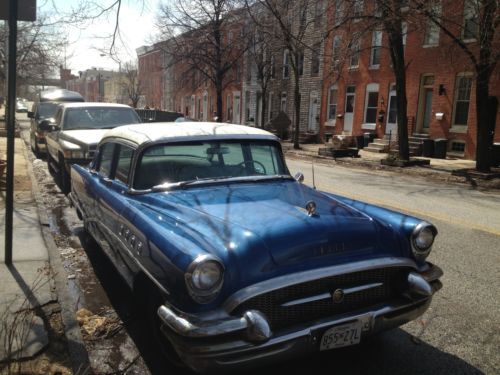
(37, 277)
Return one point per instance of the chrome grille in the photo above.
(393, 280)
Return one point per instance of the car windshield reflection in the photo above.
(178, 165)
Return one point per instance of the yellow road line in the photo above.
(417, 213)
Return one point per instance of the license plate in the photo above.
(342, 335)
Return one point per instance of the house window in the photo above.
(376, 47)
(371, 103)
(270, 114)
(318, 13)
(457, 147)
(286, 55)
(300, 62)
(471, 20)
(462, 100)
(332, 103)
(283, 102)
(229, 109)
(273, 67)
(336, 53)
(431, 37)
(358, 8)
(339, 12)
(315, 60)
(354, 46)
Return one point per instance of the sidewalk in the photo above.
(38, 333)
(441, 169)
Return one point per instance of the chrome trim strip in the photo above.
(302, 301)
(362, 287)
(324, 296)
(287, 280)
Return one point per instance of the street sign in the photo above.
(26, 10)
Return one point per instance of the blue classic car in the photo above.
(238, 262)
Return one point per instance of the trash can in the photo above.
(428, 148)
(495, 157)
(360, 141)
(440, 148)
(369, 137)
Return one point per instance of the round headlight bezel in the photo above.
(195, 273)
(421, 252)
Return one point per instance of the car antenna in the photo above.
(312, 166)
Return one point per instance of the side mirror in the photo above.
(47, 126)
(31, 114)
(299, 176)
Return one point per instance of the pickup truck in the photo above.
(73, 134)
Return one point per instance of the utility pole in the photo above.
(10, 13)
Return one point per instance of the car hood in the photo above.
(267, 226)
(83, 137)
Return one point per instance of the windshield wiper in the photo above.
(181, 184)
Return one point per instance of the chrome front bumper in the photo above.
(226, 342)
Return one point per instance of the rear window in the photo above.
(47, 110)
(98, 117)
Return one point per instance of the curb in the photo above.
(80, 362)
(423, 172)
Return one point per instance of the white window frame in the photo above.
(354, 51)
(431, 36)
(470, 14)
(461, 127)
(370, 88)
(336, 46)
(286, 64)
(332, 120)
(283, 101)
(376, 47)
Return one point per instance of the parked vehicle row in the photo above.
(237, 262)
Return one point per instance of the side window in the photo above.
(106, 152)
(124, 162)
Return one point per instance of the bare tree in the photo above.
(206, 38)
(131, 84)
(475, 31)
(39, 50)
(292, 23)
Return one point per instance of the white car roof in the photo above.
(168, 131)
(93, 104)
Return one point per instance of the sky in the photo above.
(137, 19)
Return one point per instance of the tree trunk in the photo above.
(264, 107)
(218, 89)
(296, 102)
(396, 48)
(485, 123)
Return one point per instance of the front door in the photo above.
(313, 113)
(236, 107)
(424, 114)
(350, 97)
(427, 110)
(391, 126)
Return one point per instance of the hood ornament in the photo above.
(311, 208)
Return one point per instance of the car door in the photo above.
(111, 202)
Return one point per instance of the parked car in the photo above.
(45, 107)
(72, 135)
(237, 262)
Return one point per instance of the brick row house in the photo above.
(347, 85)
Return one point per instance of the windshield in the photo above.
(47, 110)
(98, 117)
(171, 163)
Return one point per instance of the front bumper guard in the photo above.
(253, 328)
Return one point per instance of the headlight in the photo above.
(74, 154)
(422, 239)
(204, 278)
